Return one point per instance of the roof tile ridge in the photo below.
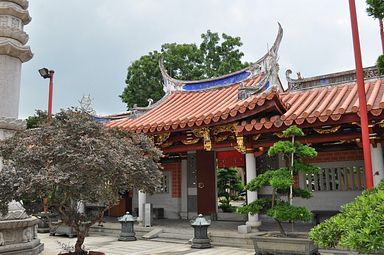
(372, 98)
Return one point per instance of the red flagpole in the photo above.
(362, 97)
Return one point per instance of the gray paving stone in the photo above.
(111, 246)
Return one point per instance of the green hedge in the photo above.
(359, 226)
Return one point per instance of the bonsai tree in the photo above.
(228, 183)
(76, 161)
(280, 206)
(359, 225)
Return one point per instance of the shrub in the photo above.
(359, 226)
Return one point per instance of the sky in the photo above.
(90, 43)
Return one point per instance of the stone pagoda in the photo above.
(13, 52)
(17, 229)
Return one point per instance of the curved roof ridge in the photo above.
(172, 84)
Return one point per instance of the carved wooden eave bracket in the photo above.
(205, 134)
(161, 138)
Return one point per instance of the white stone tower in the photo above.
(13, 52)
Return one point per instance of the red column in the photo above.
(362, 97)
(381, 34)
(50, 93)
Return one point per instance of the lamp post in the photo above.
(45, 73)
(362, 97)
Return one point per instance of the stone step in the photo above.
(176, 236)
(170, 240)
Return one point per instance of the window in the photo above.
(164, 186)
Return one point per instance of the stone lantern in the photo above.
(127, 232)
(200, 235)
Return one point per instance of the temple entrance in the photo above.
(230, 174)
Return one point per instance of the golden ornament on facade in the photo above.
(166, 144)
(381, 124)
(231, 128)
(161, 138)
(205, 134)
(327, 130)
(279, 135)
(256, 137)
(240, 144)
(190, 141)
(220, 138)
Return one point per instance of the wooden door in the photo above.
(206, 183)
(125, 205)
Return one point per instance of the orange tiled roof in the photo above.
(322, 104)
(191, 109)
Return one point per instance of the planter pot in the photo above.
(265, 245)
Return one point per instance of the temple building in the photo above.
(232, 121)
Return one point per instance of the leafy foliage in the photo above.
(258, 206)
(37, 120)
(359, 226)
(283, 211)
(215, 56)
(380, 64)
(76, 160)
(375, 8)
(228, 182)
(281, 181)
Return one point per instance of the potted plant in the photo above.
(280, 205)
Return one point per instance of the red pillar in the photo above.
(50, 93)
(381, 34)
(362, 97)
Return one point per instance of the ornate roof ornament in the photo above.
(266, 67)
(329, 79)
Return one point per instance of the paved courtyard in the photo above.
(110, 246)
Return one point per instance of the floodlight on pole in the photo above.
(45, 73)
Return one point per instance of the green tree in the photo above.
(228, 183)
(76, 160)
(359, 226)
(215, 56)
(281, 180)
(376, 10)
